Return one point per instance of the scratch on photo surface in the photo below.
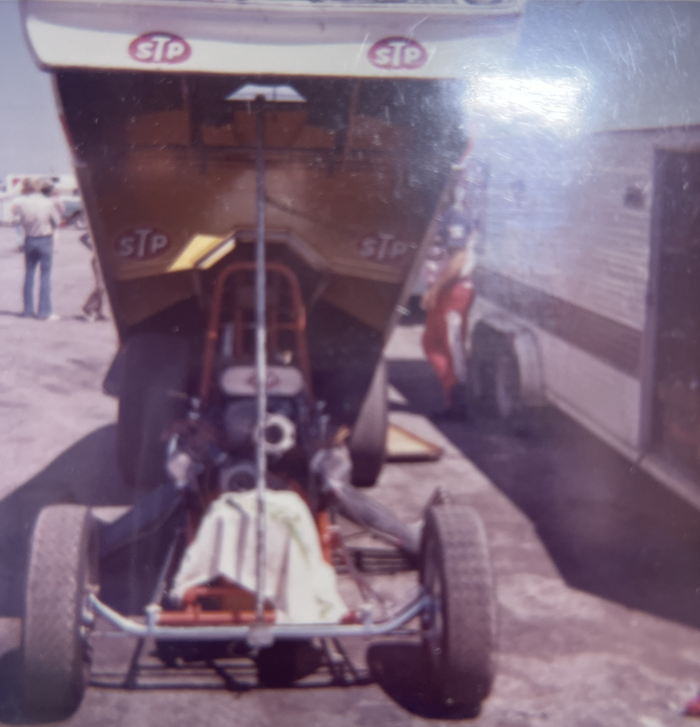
(419, 23)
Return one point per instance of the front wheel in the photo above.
(459, 626)
(62, 571)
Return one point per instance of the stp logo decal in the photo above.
(395, 53)
(141, 243)
(159, 48)
(383, 248)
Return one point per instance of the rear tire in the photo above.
(368, 440)
(285, 662)
(152, 396)
(506, 399)
(480, 372)
(459, 628)
(495, 388)
(55, 652)
(505, 395)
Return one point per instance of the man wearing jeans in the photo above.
(38, 217)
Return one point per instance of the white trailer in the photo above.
(588, 280)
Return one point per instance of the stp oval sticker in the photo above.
(141, 243)
(397, 53)
(159, 47)
(384, 248)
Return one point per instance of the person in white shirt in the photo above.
(38, 217)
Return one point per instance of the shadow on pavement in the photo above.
(10, 712)
(399, 668)
(87, 474)
(610, 529)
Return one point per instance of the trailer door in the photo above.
(675, 292)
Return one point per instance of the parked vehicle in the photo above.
(63, 184)
(73, 211)
(260, 179)
(587, 285)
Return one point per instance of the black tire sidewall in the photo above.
(367, 442)
(506, 386)
(461, 675)
(156, 365)
(62, 562)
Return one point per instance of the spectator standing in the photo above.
(447, 302)
(48, 190)
(92, 308)
(38, 217)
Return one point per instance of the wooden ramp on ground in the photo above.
(405, 446)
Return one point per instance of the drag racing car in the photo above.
(261, 181)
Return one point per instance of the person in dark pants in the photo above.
(38, 217)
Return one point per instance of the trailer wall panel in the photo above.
(572, 217)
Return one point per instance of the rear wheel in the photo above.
(285, 662)
(480, 372)
(505, 396)
(62, 571)
(152, 396)
(459, 627)
(368, 440)
(495, 387)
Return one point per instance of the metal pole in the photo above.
(260, 363)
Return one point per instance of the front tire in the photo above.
(459, 628)
(55, 653)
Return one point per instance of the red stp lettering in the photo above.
(159, 48)
(394, 53)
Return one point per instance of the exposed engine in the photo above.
(225, 434)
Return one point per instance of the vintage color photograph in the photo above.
(350, 363)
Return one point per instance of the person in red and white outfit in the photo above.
(447, 302)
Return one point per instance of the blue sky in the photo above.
(31, 139)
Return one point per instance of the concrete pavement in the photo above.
(568, 657)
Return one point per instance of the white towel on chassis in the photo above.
(298, 581)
